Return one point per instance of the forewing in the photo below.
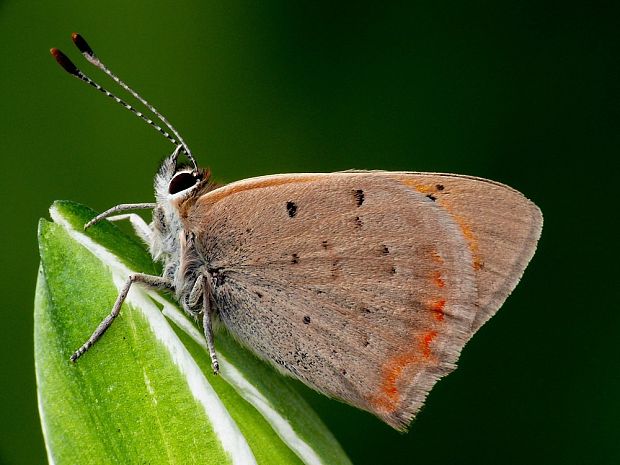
(357, 284)
(500, 225)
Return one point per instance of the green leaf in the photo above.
(145, 392)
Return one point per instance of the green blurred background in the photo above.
(525, 93)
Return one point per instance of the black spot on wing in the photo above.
(431, 196)
(359, 197)
(307, 320)
(295, 259)
(291, 207)
(439, 187)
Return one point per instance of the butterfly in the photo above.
(364, 285)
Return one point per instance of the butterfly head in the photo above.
(176, 182)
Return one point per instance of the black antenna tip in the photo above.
(81, 44)
(64, 61)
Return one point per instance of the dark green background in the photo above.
(525, 93)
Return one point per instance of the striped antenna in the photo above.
(88, 53)
(68, 66)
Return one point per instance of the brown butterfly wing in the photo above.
(500, 225)
(359, 284)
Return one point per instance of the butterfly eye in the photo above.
(182, 181)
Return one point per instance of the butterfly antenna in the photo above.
(88, 53)
(70, 67)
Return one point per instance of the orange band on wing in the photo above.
(437, 308)
(438, 279)
(427, 338)
(469, 235)
(436, 257)
(222, 192)
(421, 188)
(388, 397)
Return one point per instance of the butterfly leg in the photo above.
(119, 208)
(194, 296)
(207, 315)
(141, 227)
(155, 282)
